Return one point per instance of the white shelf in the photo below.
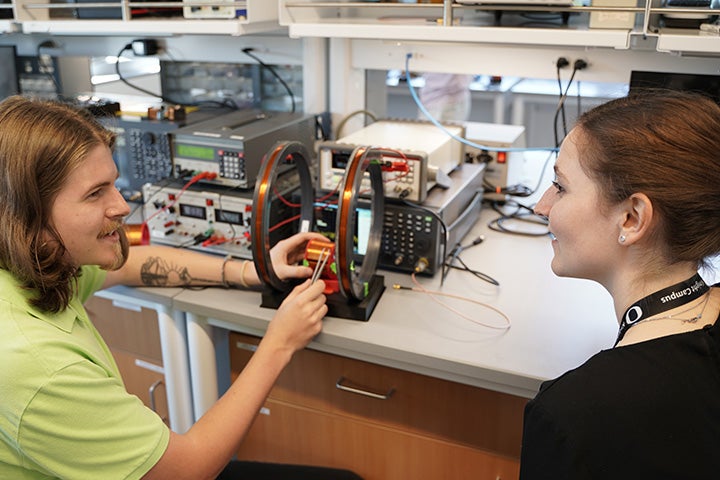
(561, 36)
(8, 26)
(44, 16)
(424, 22)
(688, 41)
(149, 26)
(398, 22)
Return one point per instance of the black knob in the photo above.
(148, 138)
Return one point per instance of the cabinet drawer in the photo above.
(291, 434)
(403, 400)
(133, 331)
(144, 380)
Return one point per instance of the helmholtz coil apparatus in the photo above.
(284, 204)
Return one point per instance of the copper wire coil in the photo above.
(280, 155)
(351, 279)
(315, 252)
(137, 233)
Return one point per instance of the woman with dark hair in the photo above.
(635, 206)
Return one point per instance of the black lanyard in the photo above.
(662, 301)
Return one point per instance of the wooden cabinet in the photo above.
(134, 340)
(381, 422)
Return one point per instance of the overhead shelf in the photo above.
(389, 30)
(155, 26)
(118, 17)
(7, 26)
(412, 22)
(688, 41)
(494, 24)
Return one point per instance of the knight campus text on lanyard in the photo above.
(661, 301)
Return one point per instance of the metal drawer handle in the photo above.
(380, 396)
(151, 391)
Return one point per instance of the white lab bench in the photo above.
(556, 323)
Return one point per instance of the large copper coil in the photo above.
(283, 155)
(353, 279)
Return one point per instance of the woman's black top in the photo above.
(650, 410)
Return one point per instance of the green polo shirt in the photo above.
(64, 411)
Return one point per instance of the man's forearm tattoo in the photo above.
(157, 272)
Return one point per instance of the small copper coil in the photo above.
(137, 233)
(320, 254)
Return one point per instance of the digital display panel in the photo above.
(228, 216)
(195, 151)
(364, 222)
(193, 211)
(325, 222)
(340, 159)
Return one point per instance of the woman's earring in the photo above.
(621, 239)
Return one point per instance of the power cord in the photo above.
(350, 115)
(520, 191)
(521, 213)
(517, 190)
(561, 63)
(578, 65)
(454, 256)
(141, 49)
(248, 51)
(464, 141)
(124, 80)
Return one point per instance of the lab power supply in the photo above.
(200, 217)
(414, 235)
(423, 154)
(232, 146)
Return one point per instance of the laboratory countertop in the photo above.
(141, 296)
(556, 323)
